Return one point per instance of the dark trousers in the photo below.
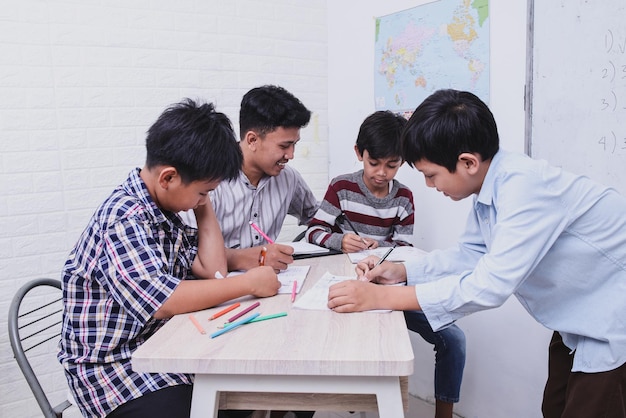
(581, 395)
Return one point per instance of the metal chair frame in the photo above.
(32, 329)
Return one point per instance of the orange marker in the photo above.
(262, 256)
(224, 311)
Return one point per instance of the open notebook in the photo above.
(316, 298)
(403, 253)
(287, 277)
(303, 247)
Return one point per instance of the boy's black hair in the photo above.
(380, 135)
(266, 108)
(447, 124)
(195, 139)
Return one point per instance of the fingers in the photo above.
(279, 256)
(351, 243)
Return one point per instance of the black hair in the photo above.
(266, 108)
(379, 134)
(447, 124)
(196, 140)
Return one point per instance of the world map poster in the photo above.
(443, 44)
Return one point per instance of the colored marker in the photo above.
(293, 290)
(266, 317)
(262, 256)
(224, 311)
(268, 239)
(197, 324)
(234, 325)
(245, 311)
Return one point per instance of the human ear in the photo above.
(470, 161)
(358, 154)
(167, 175)
(250, 139)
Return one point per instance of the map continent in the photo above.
(444, 44)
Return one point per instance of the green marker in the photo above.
(263, 318)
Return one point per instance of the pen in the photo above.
(353, 228)
(293, 290)
(385, 256)
(224, 311)
(245, 311)
(197, 324)
(234, 325)
(268, 239)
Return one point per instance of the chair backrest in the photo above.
(39, 324)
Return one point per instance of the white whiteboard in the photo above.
(576, 87)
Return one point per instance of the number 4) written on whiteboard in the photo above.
(610, 144)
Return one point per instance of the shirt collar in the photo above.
(485, 196)
(135, 186)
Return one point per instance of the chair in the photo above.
(39, 324)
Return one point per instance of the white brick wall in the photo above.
(80, 83)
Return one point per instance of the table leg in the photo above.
(205, 397)
(389, 397)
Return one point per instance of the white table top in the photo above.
(305, 342)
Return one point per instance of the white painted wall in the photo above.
(80, 83)
(507, 349)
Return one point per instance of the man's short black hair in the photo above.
(266, 108)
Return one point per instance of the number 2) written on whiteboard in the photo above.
(610, 143)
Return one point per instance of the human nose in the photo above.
(289, 152)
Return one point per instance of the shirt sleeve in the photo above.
(402, 230)
(323, 229)
(303, 203)
(138, 276)
(503, 243)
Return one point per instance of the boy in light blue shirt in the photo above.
(555, 240)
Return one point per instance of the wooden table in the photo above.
(307, 360)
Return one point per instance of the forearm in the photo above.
(397, 298)
(195, 295)
(211, 256)
(242, 259)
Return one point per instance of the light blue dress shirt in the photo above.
(555, 240)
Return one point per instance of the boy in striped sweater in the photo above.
(368, 208)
